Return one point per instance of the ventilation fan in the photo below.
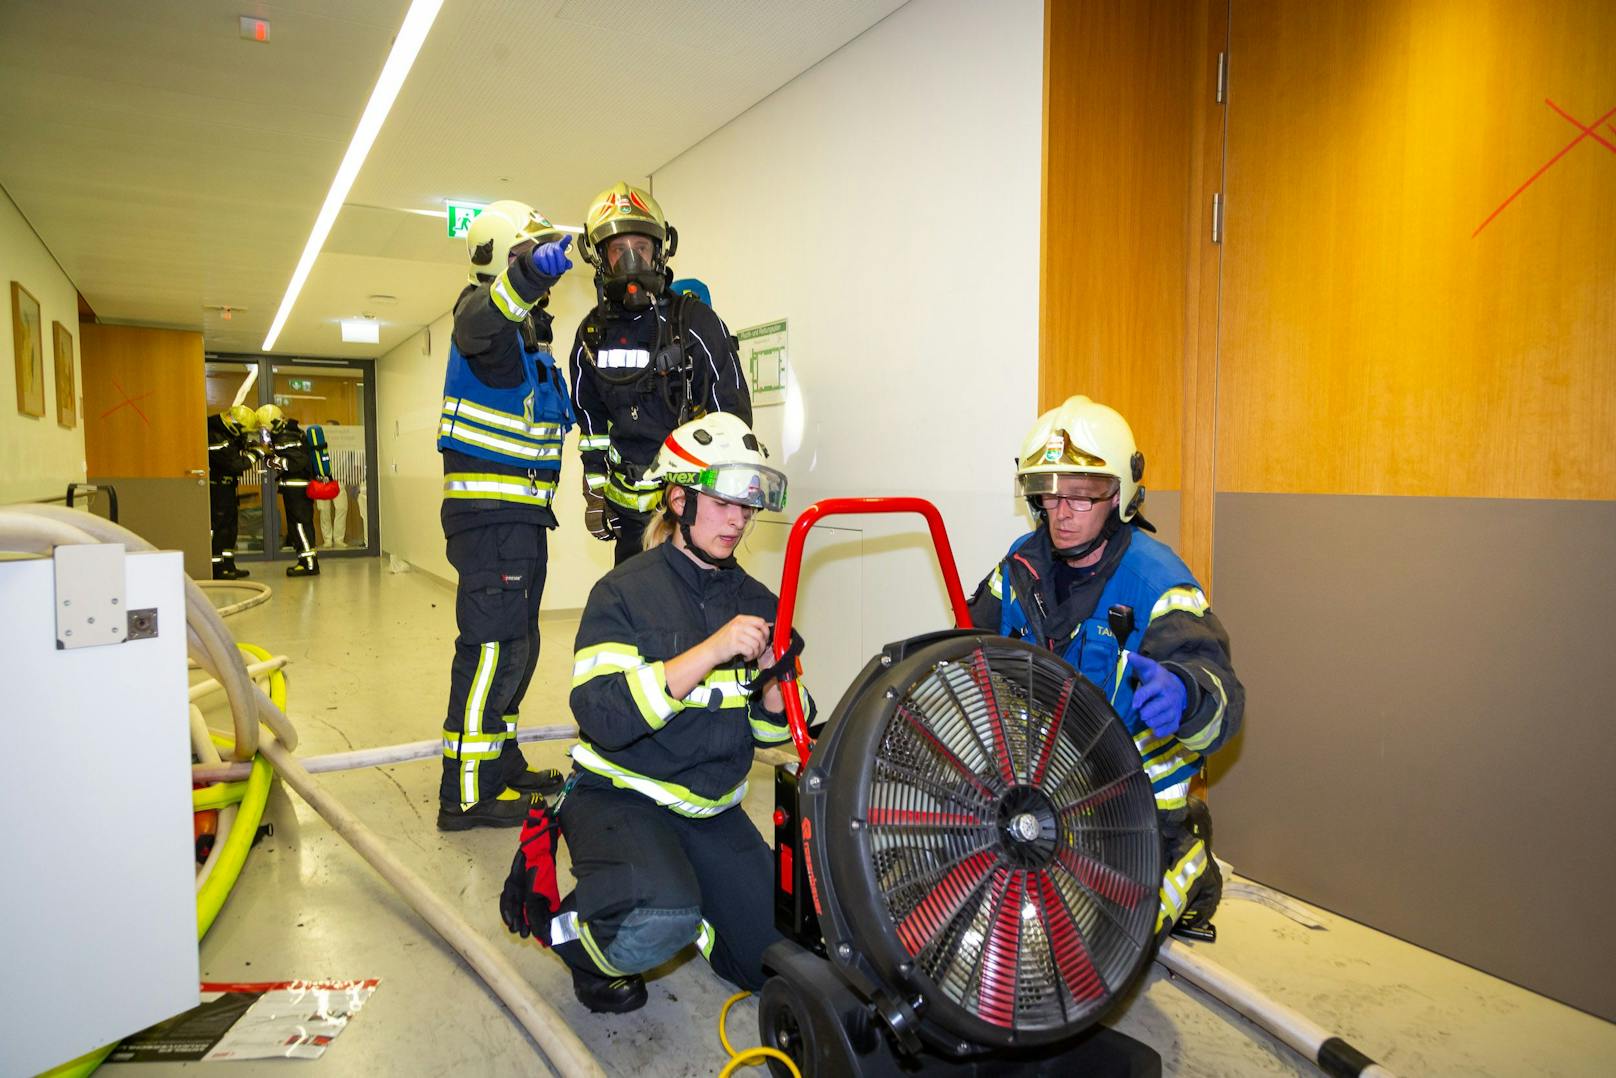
(968, 863)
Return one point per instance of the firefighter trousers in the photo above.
(651, 881)
(223, 518)
(501, 569)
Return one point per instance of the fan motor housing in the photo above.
(982, 844)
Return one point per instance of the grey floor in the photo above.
(370, 653)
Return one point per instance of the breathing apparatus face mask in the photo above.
(633, 282)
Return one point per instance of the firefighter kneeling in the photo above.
(670, 704)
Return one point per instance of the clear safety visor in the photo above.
(1098, 486)
(743, 484)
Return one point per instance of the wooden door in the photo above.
(145, 432)
(1415, 469)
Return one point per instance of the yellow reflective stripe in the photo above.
(731, 693)
(536, 450)
(505, 297)
(1209, 734)
(596, 956)
(1188, 599)
(599, 659)
(996, 584)
(706, 936)
(669, 795)
(1173, 797)
(647, 685)
(593, 442)
(458, 746)
(641, 503)
(501, 488)
(1176, 883)
(595, 480)
(493, 417)
(763, 730)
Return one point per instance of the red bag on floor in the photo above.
(323, 490)
(530, 897)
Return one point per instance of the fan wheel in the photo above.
(1002, 858)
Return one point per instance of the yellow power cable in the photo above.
(751, 1057)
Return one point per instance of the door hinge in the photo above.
(1223, 78)
(1217, 218)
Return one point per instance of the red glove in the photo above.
(530, 897)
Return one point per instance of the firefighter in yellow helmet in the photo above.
(505, 412)
(1091, 584)
(645, 360)
(229, 455)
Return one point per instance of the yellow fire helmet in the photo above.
(622, 208)
(271, 418)
(502, 227)
(1082, 437)
(239, 419)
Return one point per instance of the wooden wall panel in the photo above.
(1375, 338)
(144, 401)
(1117, 146)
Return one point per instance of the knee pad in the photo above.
(649, 937)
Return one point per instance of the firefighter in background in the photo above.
(1122, 608)
(288, 454)
(505, 412)
(229, 455)
(645, 360)
(670, 704)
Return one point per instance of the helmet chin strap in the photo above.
(686, 519)
(1073, 553)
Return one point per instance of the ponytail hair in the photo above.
(660, 528)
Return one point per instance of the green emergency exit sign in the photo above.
(301, 385)
(460, 216)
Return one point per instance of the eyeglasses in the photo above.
(1077, 503)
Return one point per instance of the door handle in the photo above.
(200, 473)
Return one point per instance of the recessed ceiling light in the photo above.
(361, 331)
(406, 46)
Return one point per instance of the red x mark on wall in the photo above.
(1587, 131)
(129, 402)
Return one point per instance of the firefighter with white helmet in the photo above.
(1121, 607)
(505, 412)
(670, 702)
(645, 360)
(229, 455)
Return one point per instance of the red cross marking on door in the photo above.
(1587, 131)
(129, 402)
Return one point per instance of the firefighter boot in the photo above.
(608, 995)
(509, 809)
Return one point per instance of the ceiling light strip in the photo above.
(405, 48)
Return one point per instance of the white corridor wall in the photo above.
(886, 204)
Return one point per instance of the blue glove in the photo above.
(551, 258)
(1160, 697)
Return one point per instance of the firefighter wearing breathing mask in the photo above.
(229, 455)
(505, 412)
(645, 360)
(1091, 584)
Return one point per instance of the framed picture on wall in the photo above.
(67, 401)
(28, 342)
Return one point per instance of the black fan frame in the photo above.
(861, 939)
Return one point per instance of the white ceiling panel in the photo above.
(170, 165)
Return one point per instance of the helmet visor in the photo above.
(1104, 486)
(743, 484)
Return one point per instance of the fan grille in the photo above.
(1009, 841)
